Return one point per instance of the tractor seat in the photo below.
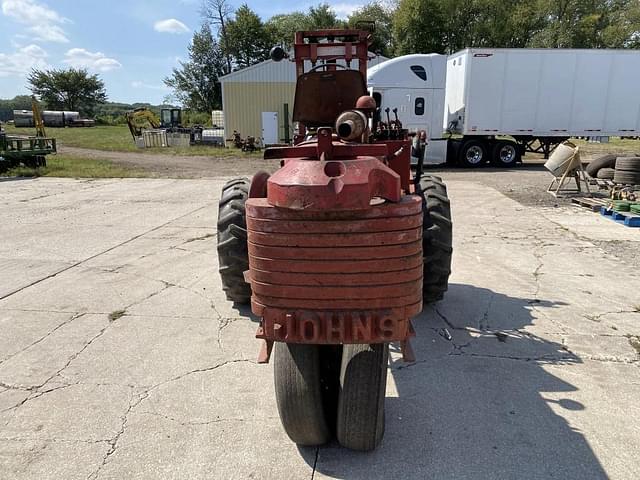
(323, 95)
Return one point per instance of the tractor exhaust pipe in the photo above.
(351, 125)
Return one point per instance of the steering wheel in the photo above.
(326, 65)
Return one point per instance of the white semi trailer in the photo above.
(481, 105)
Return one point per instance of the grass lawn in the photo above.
(76, 167)
(118, 139)
(615, 146)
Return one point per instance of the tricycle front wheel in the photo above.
(299, 395)
(363, 381)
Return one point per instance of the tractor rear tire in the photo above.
(233, 256)
(363, 381)
(437, 238)
(297, 376)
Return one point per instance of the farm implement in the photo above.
(337, 250)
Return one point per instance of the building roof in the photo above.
(270, 71)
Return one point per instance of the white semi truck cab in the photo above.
(493, 105)
(415, 85)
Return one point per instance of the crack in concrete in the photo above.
(203, 237)
(598, 316)
(223, 323)
(60, 325)
(70, 359)
(189, 424)
(537, 273)
(315, 463)
(201, 370)
(32, 396)
(113, 442)
(536, 358)
(484, 321)
(80, 262)
(52, 440)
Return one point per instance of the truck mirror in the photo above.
(277, 53)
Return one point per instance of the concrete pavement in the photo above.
(120, 358)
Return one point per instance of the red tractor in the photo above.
(338, 249)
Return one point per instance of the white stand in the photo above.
(560, 184)
(573, 169)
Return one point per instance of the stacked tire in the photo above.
(627, 171)
(600, 163)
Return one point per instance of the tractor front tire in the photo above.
(437, 238)
(363, 381)
(299, 393)
(233, 256)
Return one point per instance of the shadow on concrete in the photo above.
(245, 311)
(474, 405)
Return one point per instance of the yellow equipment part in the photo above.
(139, 119)
(37, 118)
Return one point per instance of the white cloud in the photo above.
(170, 25)
(22, 61)
(139, 84)
(43, 22)
(343, 10)
(81, 58)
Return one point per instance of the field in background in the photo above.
(615, 146)
(109, 152)
(118, 139)
(77, 167)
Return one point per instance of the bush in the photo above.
(111, 120)
(190, 117)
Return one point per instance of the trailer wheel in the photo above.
(297, 376)
(233, 256)
(505, 154)
(472, 153)
(437, 238)
(363, 381)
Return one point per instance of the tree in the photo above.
(322, 16)
(196, 83)
(248, 41)
(383, 36)
(282, 27)
(445, 26)
(568, 24)
(419, 26)
(217, 12)
(72, 89)
(19, 102)
(623, 28)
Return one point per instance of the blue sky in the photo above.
(131, 44)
